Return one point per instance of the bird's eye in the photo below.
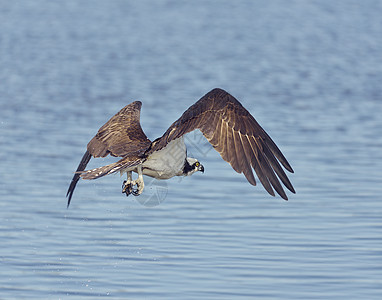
(197, 164)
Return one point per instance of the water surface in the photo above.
(310, 73)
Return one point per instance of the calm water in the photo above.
(311, 74)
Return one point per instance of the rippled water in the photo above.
(309, 71)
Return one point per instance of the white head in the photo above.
(191, 166)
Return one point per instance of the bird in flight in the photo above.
(224, 122)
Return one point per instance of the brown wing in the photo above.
(121, 136)
(236, 135)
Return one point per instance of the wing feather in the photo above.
(245, 167)
(268, 171)
(221, 138)
(257, 165)
(214, 134)
(277, 168)
(277, 153)
(250, 157)
(237, 136)
(230, 151)
(82, 165)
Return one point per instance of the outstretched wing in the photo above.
(236, 135)
(121, 136)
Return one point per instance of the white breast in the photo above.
(167, 162)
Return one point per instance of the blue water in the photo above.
(309, 71)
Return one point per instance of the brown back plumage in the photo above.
(236, 135)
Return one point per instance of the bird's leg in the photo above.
(139, 182)
(127, 186)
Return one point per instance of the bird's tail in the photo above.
(99, 172)
(109, 169)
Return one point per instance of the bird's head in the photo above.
(191, 166)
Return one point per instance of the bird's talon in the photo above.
(127, 188)
(138, 190)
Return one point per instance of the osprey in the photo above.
(224, 122)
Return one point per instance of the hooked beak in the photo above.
(201, 168)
